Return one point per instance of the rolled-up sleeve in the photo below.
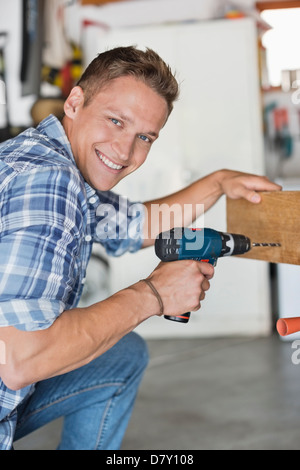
(40, 223)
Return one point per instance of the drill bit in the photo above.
(266, 244)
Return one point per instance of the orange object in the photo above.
(234, 15)
(287, 326)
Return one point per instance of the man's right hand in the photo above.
(182, 285)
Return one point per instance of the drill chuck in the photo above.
(235, 244)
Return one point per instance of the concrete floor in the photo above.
(232, 393)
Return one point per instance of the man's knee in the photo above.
(137, 350)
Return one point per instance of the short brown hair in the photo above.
(123, 61)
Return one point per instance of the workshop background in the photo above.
(225, 377)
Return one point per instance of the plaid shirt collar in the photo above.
(54, 132)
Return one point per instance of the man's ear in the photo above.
(74, 101)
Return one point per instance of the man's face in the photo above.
(112, 135)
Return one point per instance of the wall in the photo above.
(136, 13)
(11, 22)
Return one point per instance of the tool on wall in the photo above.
(206, 245)
(283, 140)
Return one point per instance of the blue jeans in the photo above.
(96, 400)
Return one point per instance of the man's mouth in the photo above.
(108, 162)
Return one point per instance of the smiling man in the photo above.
(86, 363)
(111, 137)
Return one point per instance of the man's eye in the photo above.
(144, 138)
(116, 122)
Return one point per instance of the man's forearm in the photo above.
(197, 198)
(183, 207)
(75, 338)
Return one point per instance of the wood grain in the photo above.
(275, 220)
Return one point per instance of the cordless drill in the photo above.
(206, 245)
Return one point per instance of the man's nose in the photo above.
(123, 147)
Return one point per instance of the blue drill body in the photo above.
(201, 245)
(206, 245)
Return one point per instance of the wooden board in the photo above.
(275, 220)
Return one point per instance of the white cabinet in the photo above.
(216, 124)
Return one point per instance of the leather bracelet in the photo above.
(161, 305)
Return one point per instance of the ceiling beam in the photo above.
(279, 4)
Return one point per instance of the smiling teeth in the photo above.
(108, 163)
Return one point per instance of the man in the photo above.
(86, 363)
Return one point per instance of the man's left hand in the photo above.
(237, 185)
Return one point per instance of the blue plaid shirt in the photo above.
(49, 219)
